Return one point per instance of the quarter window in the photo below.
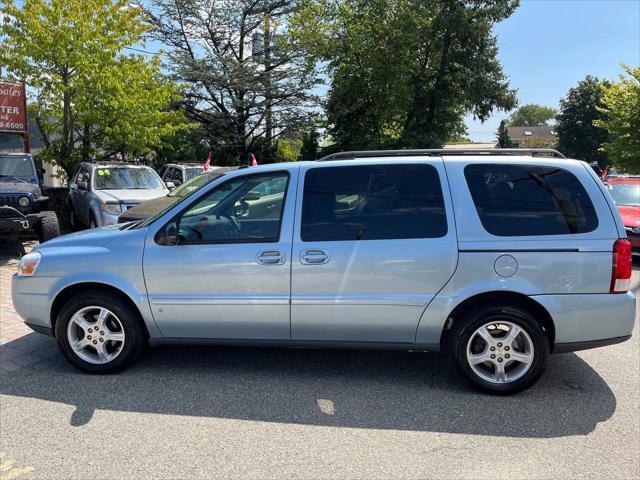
(523, 200)
(372, 202)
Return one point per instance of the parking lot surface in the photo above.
(203, 412)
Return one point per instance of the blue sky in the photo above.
(547, 46)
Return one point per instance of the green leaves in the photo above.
(621, 112)
(405, 72)
(578, 136)
(531, 115)
(89, 98)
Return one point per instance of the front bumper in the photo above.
(31, 301)
(14, 222)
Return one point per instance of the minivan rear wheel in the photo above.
(501, 349)
(98, 332)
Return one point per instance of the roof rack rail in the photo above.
(436, 152)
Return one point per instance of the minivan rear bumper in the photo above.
(585, 321)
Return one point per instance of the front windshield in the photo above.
(625, 193)
(16, 166)
(194, 184)
(126, 178)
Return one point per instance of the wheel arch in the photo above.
(71, 290)
(539, 312)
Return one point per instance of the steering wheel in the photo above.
(233, 222)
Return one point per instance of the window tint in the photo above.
(515, 200)
(372, 202)
(234, 212)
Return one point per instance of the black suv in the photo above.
(23, 208)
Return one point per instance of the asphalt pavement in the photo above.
(204, 412)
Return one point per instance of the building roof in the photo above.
(547, 132)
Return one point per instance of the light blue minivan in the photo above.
(497, 258)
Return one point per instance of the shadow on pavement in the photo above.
(359, 389)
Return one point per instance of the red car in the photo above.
(625, 191)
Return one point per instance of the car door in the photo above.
(79, 195)
(373, 244)
(228, 277)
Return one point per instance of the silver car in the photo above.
(99, 193)
(495, 259)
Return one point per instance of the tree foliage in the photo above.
(531, 115)
(405, 72)
(578, 137)
(89, 98)
(504, 140)
(248, 82)
(621, 120)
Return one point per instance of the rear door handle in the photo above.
(270, 257)
(314, 256)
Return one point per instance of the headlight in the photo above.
(29, 264)
(24, 201)
(111, 208)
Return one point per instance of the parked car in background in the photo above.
(177, 173)
(23, 208)
(99, 193)
(496, 259)
(152, 207)
(625, 190)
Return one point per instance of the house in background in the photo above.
(541, 136)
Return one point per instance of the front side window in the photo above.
(236, 212)
(526, 200)
(372, 202)
(122, 178)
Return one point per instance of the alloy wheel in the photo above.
(96, 335)
(500, 352)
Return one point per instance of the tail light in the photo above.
(621, 270)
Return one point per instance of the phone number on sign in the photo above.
(11, 126)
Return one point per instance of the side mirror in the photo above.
(170, 185)
(252, 195)
(83, 186)
(171, 234)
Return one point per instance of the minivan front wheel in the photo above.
(501, 349)
(99, 333)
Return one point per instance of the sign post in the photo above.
(13, 110)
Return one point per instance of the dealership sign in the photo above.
(13, 112)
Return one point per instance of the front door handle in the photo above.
(314, 256)
(270, 257)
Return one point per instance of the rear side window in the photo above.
(372, 202)
(523, 200)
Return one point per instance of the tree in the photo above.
(531, 115)
(621, 120)
(88, 97)
(404, 73)
(247, 81)
(504, 141)
(578, 137)
(310, 143)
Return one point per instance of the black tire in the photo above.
(465, 327)
(49, 227)
(92, 221)
(133, 327)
